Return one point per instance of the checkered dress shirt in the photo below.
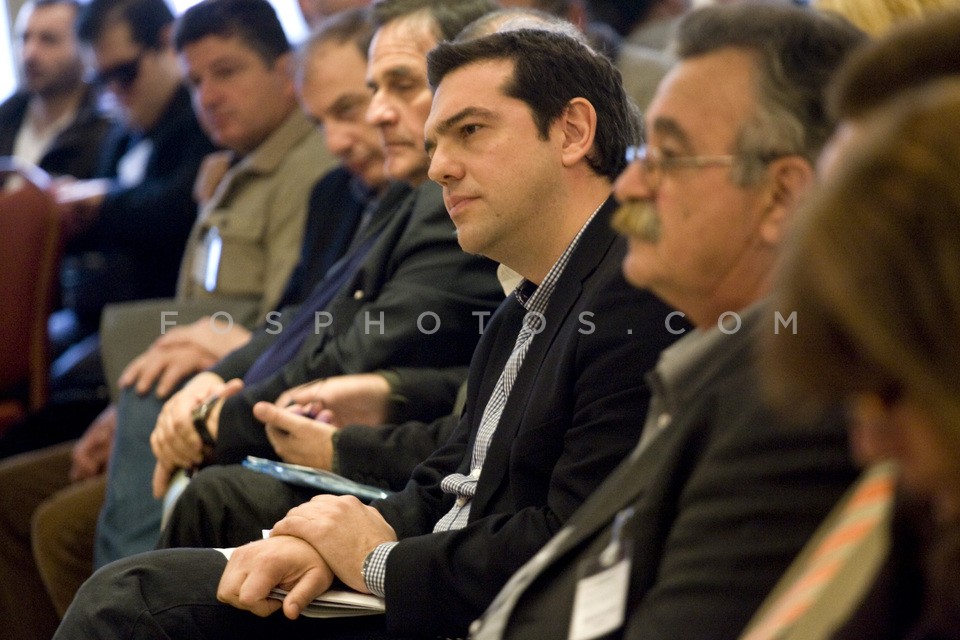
(535, 300)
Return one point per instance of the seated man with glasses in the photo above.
(687, 536)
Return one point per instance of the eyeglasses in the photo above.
(655, 164)
(123, 74)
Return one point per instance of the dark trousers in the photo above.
(227, 506)
(170, 594)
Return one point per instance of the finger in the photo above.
(150, 370)
(253, 593)
(280, 418)
(297, 527)
(162, 473)
(284, 398)
(129, 374)
(278, 439)
(305, 395)
(315, 514)
(231, 387)
(185, 442)
(176, 441)
(311, 585)
(171, 375)
(187, 451)
(256, 600)
(266, 412)
(309, 410)
(174, 335)
(175, 449)
(232, 579)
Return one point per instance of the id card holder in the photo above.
(600, 599)
(206, 262)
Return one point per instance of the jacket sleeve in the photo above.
(427, 273)
(424, 393)
(236, 363)
(601, 401)
(160, 210)
(385, 456)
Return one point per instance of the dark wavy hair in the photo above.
(254, 22)
(146, 19)
(550, 70)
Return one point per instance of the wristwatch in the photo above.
(200, 415)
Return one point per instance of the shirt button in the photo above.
(663, 420)
(358, 294)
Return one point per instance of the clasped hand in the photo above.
(174, 441)
(279, 561)
(326, 537)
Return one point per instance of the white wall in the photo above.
(287, 10)
(8, 76)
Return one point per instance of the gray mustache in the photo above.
(638, 219)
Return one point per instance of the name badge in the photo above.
(206, 262)
(600, 599)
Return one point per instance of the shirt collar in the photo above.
(534, 298)
(266, 157)
(689, 364)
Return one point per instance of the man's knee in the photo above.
(208, 489)
(137, 414)
(198, 513)
(62, 536)
(133, 590)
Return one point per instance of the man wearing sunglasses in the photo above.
(126, 230)
(139, 217)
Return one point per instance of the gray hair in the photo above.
(797, 51)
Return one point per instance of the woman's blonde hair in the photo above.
(876, 17)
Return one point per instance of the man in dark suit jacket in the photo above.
(139, 220)
(54, 120)
(377, 308)
(554, 391)
(688, 535)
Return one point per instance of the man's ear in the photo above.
(578, 127)
(285, 67)
(789, 179)
(165, 37)
(285, 64)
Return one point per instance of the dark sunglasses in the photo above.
(123, 74)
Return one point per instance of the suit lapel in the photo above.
(626, 486)
(631, 479)
(594, 244)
